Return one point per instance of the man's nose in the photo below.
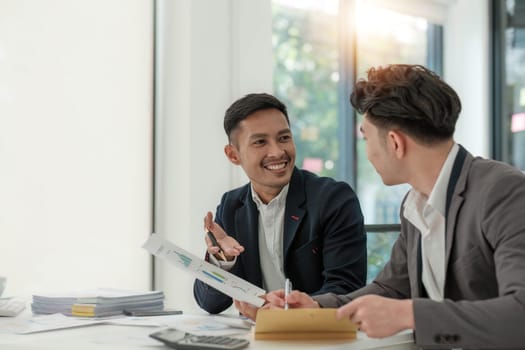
(275, 149)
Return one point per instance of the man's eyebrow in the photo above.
(285, 131)
(258, 136)
(262, 135)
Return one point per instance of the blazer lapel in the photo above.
(456, 187)
(420, 287)
(247, 228)
(293, 213)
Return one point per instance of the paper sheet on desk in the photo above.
(210, 325)
(27, 324)
(222, 280)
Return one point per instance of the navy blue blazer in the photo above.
(324, 241)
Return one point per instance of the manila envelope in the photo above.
(302, 324)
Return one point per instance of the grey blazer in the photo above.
(484, 304)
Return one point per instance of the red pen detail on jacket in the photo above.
(295, 217)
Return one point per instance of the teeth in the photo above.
(276, 166)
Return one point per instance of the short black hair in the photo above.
(251, 103)
(410, 98)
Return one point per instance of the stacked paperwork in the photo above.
(97, 303)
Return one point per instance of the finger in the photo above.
(299, 298)
(273, 307)
(238, 306)
(275, 295)
(275, 298)
(265, 304)
(208, 221)
(245, 309)
(213, 250)
(232, 251)
(347, 311)
(217, 230)
(210, 247)
(208, 241)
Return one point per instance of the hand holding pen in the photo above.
(287, 291)
(214, 242)
(218, 242)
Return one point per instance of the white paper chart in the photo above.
(222, 280)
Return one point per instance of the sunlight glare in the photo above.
(372, 21)
(330, 7)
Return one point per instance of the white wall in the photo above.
(466, 69)
(75, 144)
(210, 53)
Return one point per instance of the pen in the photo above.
(216, 244)
(287, 291)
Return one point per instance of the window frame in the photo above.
(347, 115)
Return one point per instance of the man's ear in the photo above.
(232, 154)
(397, 143)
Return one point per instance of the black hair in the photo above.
(410, 98)
(247, 105)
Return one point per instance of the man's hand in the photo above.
(377, 316)
(275, 300)
(228, 245)
(246, 309)
(295, 299)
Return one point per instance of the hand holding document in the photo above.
(222, 280)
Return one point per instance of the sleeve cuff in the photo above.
(225, 265)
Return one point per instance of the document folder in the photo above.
(296, 324)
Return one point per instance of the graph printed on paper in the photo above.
(229, 284)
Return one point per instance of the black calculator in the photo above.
(184, 341)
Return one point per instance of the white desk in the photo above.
(136, 337)
(116, 337)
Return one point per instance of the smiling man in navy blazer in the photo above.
(286, 222)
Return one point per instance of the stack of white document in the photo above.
(98, 302)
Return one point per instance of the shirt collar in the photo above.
(280, 199)
(437, 198)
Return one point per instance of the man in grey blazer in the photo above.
(456, 275)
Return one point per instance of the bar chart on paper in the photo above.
(222, 280)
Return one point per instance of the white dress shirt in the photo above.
(271, 232)
(271, 228)
(429, 217)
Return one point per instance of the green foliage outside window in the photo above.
(306, 77)
(379, 246)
